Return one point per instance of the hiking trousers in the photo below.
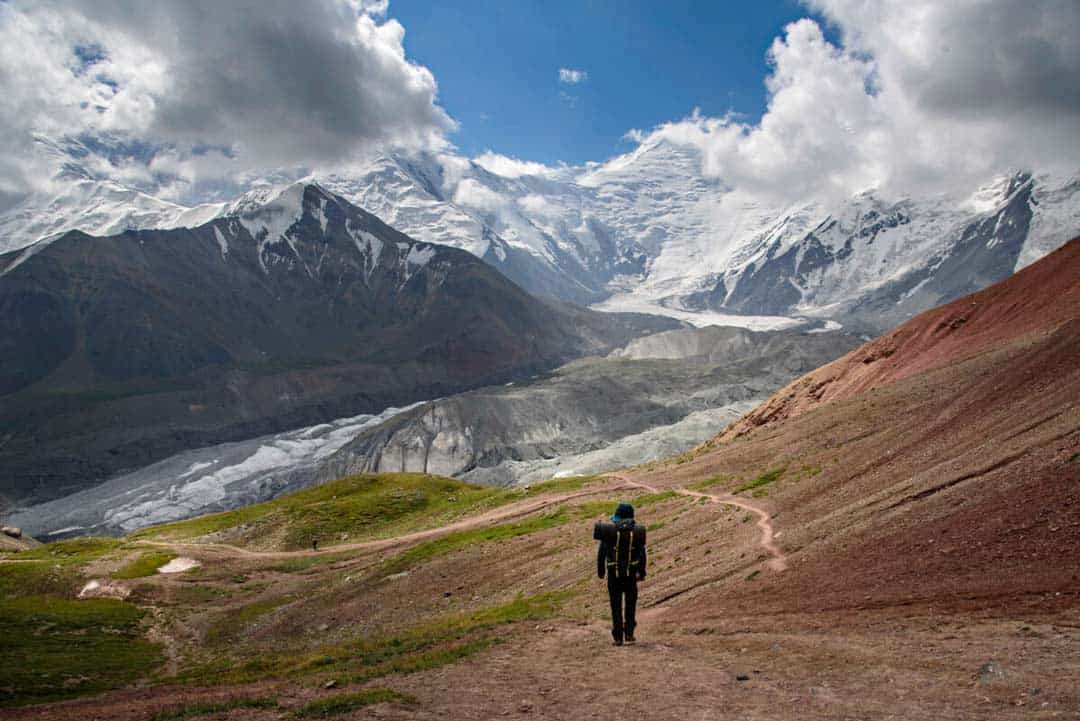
(620, 590)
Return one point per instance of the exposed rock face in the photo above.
(502, 435)
(11, 531)
(298, 308)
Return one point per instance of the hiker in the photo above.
(621, 556)
(314, 543)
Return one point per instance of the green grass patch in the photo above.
(205, 708)
(146, 564)
(37, 578)
(349, 702)
(59, 648)
(362, 507)
(710, 482)
(74, 550)
(763, 480)
(651, 499)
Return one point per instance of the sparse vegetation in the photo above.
(60, 648)
(347, 703)
(305, 563)
(763, 480)
(205, 708)
(231, 625)
(561, 485)
(463, 539)
(436, 643)
(650, 499)
(710, 482)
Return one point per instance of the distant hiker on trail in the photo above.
(621, 556)
(314, 543)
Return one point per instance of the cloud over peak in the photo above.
(273, 83)
(921, 97)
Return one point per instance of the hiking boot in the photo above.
(630, 641)
(617, 642)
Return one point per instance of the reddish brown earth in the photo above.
(926, 524)
(1036, 300)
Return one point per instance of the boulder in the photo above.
(11, 531)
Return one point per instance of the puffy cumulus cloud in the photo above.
(225, 87)
(920, 97)
(509, 167)
(571, 76)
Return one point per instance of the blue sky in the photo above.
(497, 64)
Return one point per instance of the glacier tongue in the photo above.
(200, 481)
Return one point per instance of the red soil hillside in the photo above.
(1034, 301)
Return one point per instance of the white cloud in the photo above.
(221, 88)
(921, 97)
(375, 8)
(572, 77)
(509, 167)
(472, 194)
(537, 205)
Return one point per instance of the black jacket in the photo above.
(624, 561)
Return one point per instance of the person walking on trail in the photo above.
(314, 543)
(621, 557)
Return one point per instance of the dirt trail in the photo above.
(778, 562)
(513, 510)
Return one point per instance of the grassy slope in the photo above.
(59, 648)
(362, 507)
(87, 646)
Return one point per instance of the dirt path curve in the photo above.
(778, 562)
(502, 513)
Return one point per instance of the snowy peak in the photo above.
(645, 231)
(303, 226)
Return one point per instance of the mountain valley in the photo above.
(916, 505)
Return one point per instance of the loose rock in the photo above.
(991, 671)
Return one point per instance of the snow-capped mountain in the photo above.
(648, 231)
(294, 307)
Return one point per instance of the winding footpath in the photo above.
(777, 562)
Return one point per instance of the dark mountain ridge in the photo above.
(117, 351)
